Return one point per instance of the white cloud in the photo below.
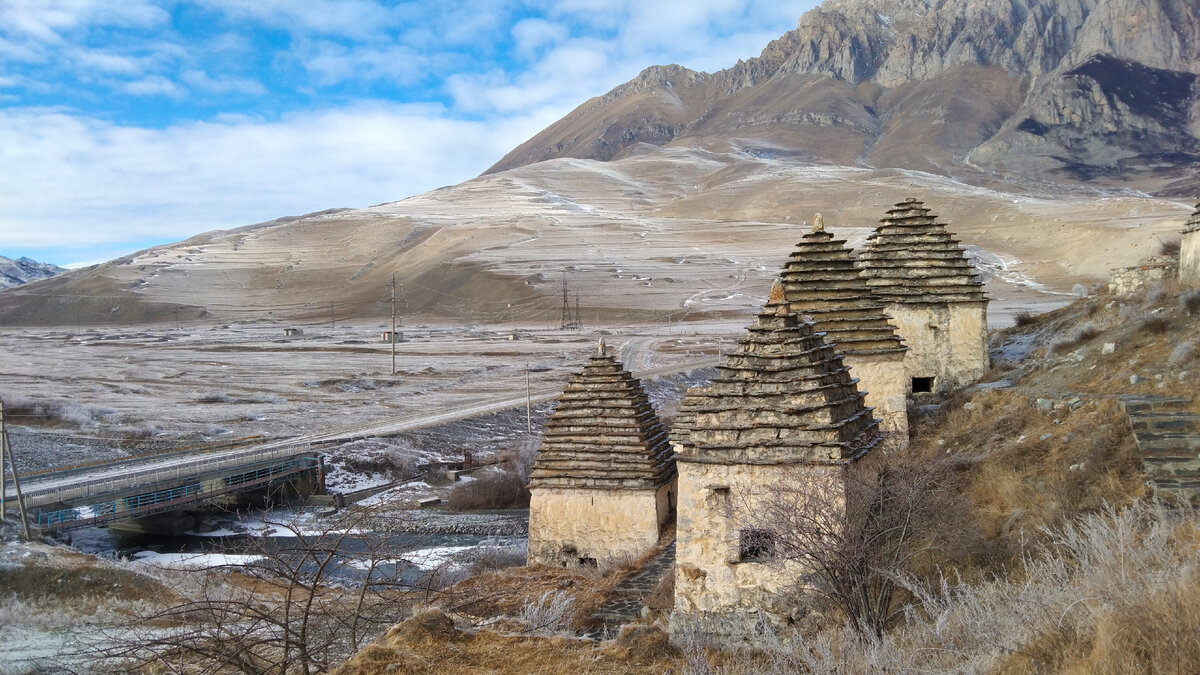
(85, 182)
(154, 85)
(200, 80)
(331, 63)
(47, 20)
(533, 34)
(350, 18)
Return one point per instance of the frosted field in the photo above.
(100, 388)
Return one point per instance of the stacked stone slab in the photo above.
(822, 281)
(1189, 250)
(602, 486)
(782, 410)
(933, 294)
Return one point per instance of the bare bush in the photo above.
(306, 603)
(1025, 318)
(857, 542)
(1170, 247)
(491, 490)
(1191, 301)
(551, 613)
(1083, 334)
(1112, 592)
(1184, 351)
(1156, 325)
(505, 488)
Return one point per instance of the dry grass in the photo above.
(1170, 247)
(1025, 318)
(506, 593)
(431, 644)
(504, 489)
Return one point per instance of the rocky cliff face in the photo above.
(24, 270)
(1103, 91)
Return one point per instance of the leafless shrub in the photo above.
(297, 608)
(857, 542)
(41, 412)
(1111, 592)
(1156, 325)
(490, 558)
(1083, 334)
(214, 397)
(1025, 318)
(1170, 247)
(551, 613)
(1191, 301)
(491, 490)
(1184, 351)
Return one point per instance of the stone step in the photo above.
(1135, 403)
(1163, 444)
(1164, 421)
(629, 596)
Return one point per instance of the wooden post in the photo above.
(528, 403)
(3, 464)
(12, 466)
(393, 337)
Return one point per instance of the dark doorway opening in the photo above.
(922, 385)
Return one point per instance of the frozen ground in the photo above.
(105, 393)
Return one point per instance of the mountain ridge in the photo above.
(24, 270)
(953, 87)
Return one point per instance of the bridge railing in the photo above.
(172, 498)
(149, 476)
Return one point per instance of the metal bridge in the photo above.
(143, 486)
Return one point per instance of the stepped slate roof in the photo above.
(782, 397)
(604, 433)
(912, 259)
(1193, 223)
(822, 282)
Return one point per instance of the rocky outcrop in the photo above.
(1091, 89)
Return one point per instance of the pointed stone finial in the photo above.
(818, 223)
(603, 348)
(776, 297)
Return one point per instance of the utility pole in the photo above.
(3, 465)
(332, 319)
(393, 334)
(12, 466)
(578, 321)
(528, 403)
(566, 307)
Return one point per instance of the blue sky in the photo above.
(130, 123)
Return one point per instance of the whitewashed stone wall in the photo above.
(570, 525)
(884, 381)
(716, 594)
(1189, 258)
(947, 342)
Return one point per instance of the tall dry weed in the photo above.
(1111, 592)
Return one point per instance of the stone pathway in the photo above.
(1168, 440)
(630, 595)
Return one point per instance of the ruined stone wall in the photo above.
(947, 342)
(570, 524)
(717, 595)
(882, 378)
(1189, 258)
(1126, 281)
